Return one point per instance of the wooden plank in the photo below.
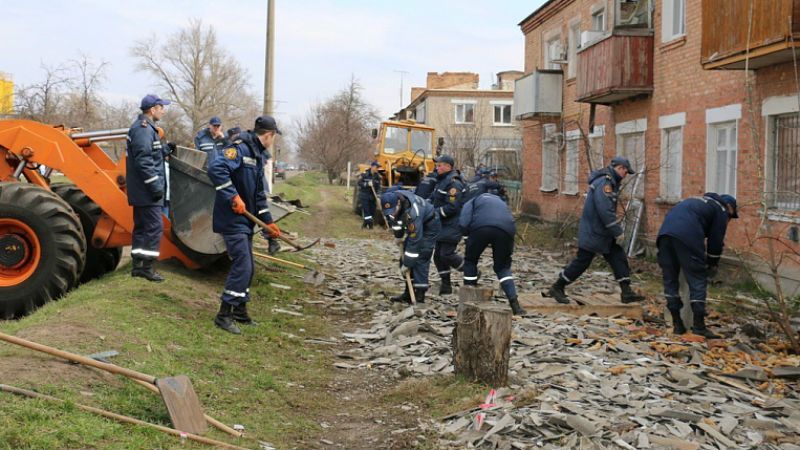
(545, 305)
(182, 403)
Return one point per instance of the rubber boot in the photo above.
(628, 295)
(274, 246)
(699, 325)
(515, 307)
(224, 319)
(405, 297)
(556, 291)
(419, 294)
(240, 315)
(446, 287)
(146, 271)
(677, 322)
(136, 266)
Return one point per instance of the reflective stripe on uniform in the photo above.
(234, 293)
(396, 228)
(444, 272)
(442, 192)
(623, 279)
(421, 286)
(416, 210)
(150, 180)
(412, 255)
(224, 185)
(713, 256)
(613, 223)
(470, 278)
(502, 280)
(565, 278)
(141, 251)
(263, 211)
(249, 161)
(441, 211)
(204, 146)
(367, 217)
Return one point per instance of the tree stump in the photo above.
(474, 294)
(481, 342)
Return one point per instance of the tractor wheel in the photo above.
(99, 261)
(42, 248)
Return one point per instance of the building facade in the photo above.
(478, 125)
(662, 82)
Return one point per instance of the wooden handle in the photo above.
(281, 261)
(411, 289)
(263, 225)
(380, 210)
(78, 358)
(121, 418)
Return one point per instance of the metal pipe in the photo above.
(113, 137)
(92, 134)
(20, 168)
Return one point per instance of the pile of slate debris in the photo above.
(576, 382)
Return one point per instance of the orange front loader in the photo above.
(53, 236)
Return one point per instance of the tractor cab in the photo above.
(405, 151)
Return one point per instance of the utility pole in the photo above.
(401, 72)
(269, 69)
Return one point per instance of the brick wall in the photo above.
(452, 80)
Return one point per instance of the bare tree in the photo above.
(336, 131)
(201, 77)
(86, 79)
(42, 101)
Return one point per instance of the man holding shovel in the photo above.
(238, 175)
(368, 184)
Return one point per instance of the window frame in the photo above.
(671, 189)
(464, 105)
(712, 155)
(550, 159)
(668, 31)
(572, 156)
(599, 13)
(503, 105)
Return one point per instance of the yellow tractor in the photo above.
(405, 151)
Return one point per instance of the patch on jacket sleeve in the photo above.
(230, 153)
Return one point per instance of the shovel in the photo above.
(297, 247)
(380, 209)
(314, 276)
(177, 392)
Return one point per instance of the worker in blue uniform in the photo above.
(210, 140)
(369, 185)
(690, 241)
(487, 221)
(447, 200)
(238, 176)
(426, 186)
(146, 186)
(599, 232)
(414, 219)
(233, 133)
(488, 184)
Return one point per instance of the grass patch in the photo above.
(439, 396)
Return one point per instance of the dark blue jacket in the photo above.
(239, 170)
(426, 186)
(699, 223)
(364, 191)
(144, 164)
(484, 186)
(204, 142)
(599, 224)
(421, 226)
(447, 199)
(486, 210)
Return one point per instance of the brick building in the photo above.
(477, 124)
(663, 83)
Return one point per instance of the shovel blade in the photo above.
(182, 403)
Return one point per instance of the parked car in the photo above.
(280, 170)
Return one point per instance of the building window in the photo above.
(673, 19)
(465, 113)
(550, 163)
(571, 166)
(502, 115)
(419, 114)
(572, 54)
(671, 162)
(722, 156)
(599, 20)
(597, 152)
(631, 146)
(783, 164)
(553, 53)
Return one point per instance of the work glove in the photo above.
(272, 230)
(369, 183)
(711, 271)
(237, 204)
(171, 147)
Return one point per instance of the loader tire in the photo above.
(42, 248)
(99, 261)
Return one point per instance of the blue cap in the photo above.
(234, 130)
(446, 159)
(730, 200)
(215, 121)
(621, 161)
(151, 100)
(375, 164)
(266, 123)
(389, 201)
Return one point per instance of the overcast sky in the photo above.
(320, 44)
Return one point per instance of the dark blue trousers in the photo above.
(237, 285)
(446, 258)
(419, 273)
(148, 226)
(616, 259)
(502, 248)
(367, 208)
(673, 257)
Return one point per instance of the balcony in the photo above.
(616, 68)
(538, 94)
(775, 32)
